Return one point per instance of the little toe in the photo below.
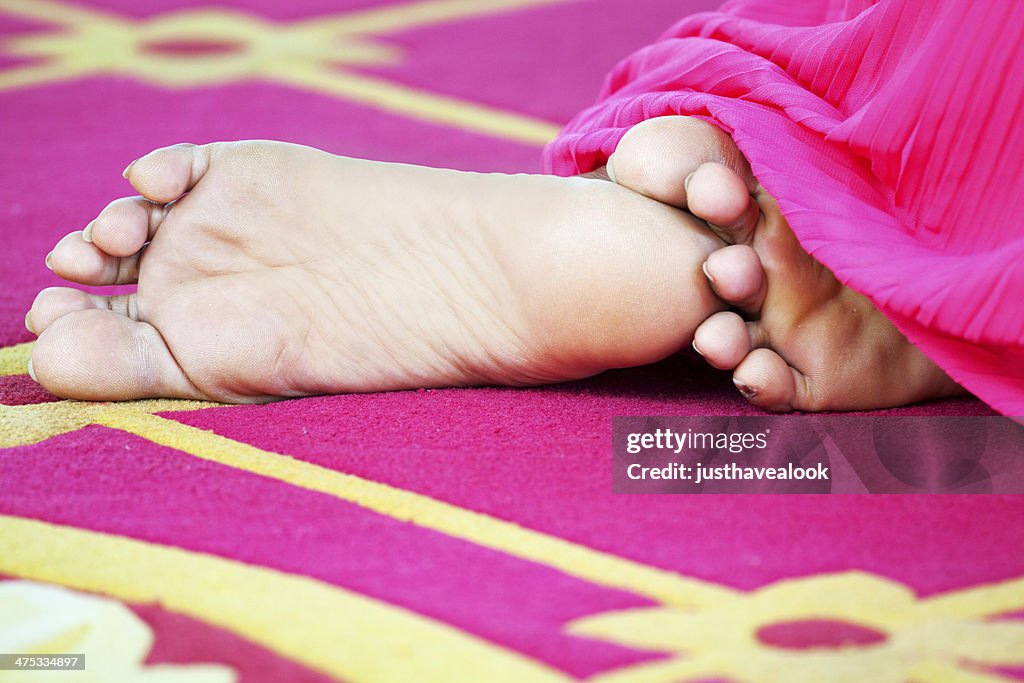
(165, 174)
(125, 225)
(766, 380)
(737, 277)
(56, 302)
(79, 261)
(96, 355)
(655, 157)
(723, 340)
(720, 197)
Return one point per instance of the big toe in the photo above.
(99, 355)
(655, 157)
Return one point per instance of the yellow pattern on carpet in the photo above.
(309, 54)
(940, 639)
(14, 359)
(327, 628)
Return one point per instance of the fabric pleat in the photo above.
(890, 134)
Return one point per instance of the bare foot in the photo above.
(797, 339)
(287, 271)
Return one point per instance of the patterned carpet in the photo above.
(444, 535)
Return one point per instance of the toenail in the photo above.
(686, 181)
(704, 267)
(31, 373)
(28, 322)
(49, 260)
(124, 173)
(87, 233)
(608, 168)
(699, 352)
(747, 392)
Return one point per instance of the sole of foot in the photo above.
(269, 270)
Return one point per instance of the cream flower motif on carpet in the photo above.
(38, 618)
(842, 628)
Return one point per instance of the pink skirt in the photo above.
(892, 135)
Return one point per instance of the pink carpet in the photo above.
(449, 535)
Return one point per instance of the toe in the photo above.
(98, 355)
(79, 261)
(719, 196)
(766, 380)
(125, 225)
(737, 277)
(723, 340)
(165, 174)
(656, 156)
(56, 302)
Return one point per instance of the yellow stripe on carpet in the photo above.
(14, 359)
(327, 628)
(314, 49)
(415, 103)
(570, 558)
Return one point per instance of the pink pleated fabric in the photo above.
(892, 135)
